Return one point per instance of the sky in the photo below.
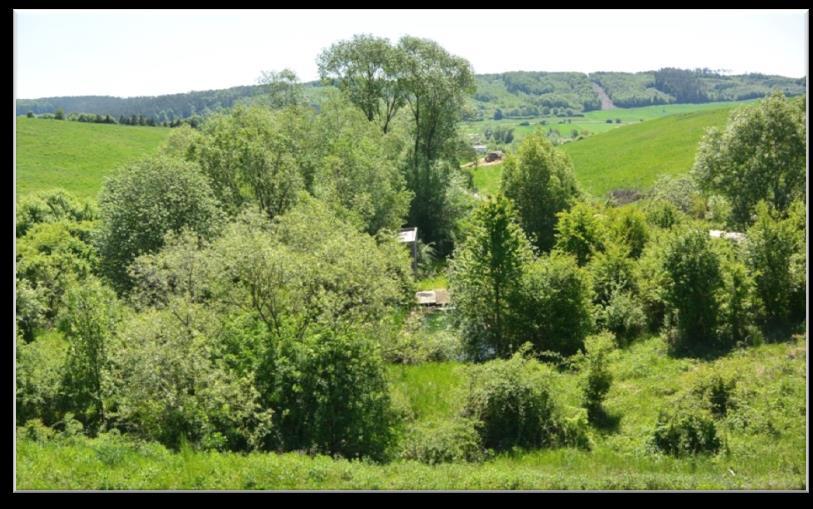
(138, 53)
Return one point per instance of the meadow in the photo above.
(75, 156)
(764, 438)
(630, 156)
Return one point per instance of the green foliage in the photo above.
(693, 279)
(447, 441)
(739, 305)
(623, 315)
(555, 309)
(580, 231)
(759, 156)
(770, 247)
(145, 201)
(367, 69)
(282, 88)
(331, 395)
(652, 281)
(540, 181)
(512, 402)
(717, 394)
(49, 207)
(486, 277)
(663, 213)
(421, 340)
(597, 378)
(49, 258)
(612, 270)
(167, 384)
(681, 191)
(90, 317)
(40, 372)
(685, 430)
(252, 153)
(357, 173)
(630, 229)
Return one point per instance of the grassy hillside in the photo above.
(634, 156)
(764, 437)
(75, 155)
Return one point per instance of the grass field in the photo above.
(630, 157)
(76, 156)
(764, 439)
(594, 122)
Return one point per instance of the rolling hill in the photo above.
(76, 155)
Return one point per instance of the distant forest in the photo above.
(511, 94)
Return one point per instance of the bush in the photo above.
(770, 247)
(555, 310)
(450, 441)
(717, 394)
(40, 370)
(540, 181)
(51, 206)
(165, 385)
(739, 305)
(629, 228)
(623, 315)
(597, 379)
(612, 271)
(663, 213)
(330, 395)
(685, 431)
(511, 401)
(145, 201)
(693, 279)
(580, 232)
(651, 278)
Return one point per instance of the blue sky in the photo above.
(129, 53)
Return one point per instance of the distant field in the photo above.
(76, 156)
(633, 157)
(593, 122)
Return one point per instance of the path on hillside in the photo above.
(606, 102)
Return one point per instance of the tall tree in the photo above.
(540, 181)
(368, 69)
(760, 155)
(283, 88)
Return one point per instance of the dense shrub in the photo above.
(30, 310)
(662, 213)
(555, 312)
(580, 231)
(145, 201)
(717, 394)
(413, 343)
(50, 257)
(485, 281)
(50, 206)
(770, 246)
(166, 385)
(622, 315)
(612, 271)
(693, 279)
(512, 402)
(682, 192)
(90, 316)
(651, 279)
(630, 230)
(540, 181)
(330, 395)
(449, 441)
(597, 378)
(40, 371)
(739, 305)
(685, 430)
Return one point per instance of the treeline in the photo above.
(139, 120)
(515, 94)
(670, 85)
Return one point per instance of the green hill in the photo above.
(75, 155)
(635, 155)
